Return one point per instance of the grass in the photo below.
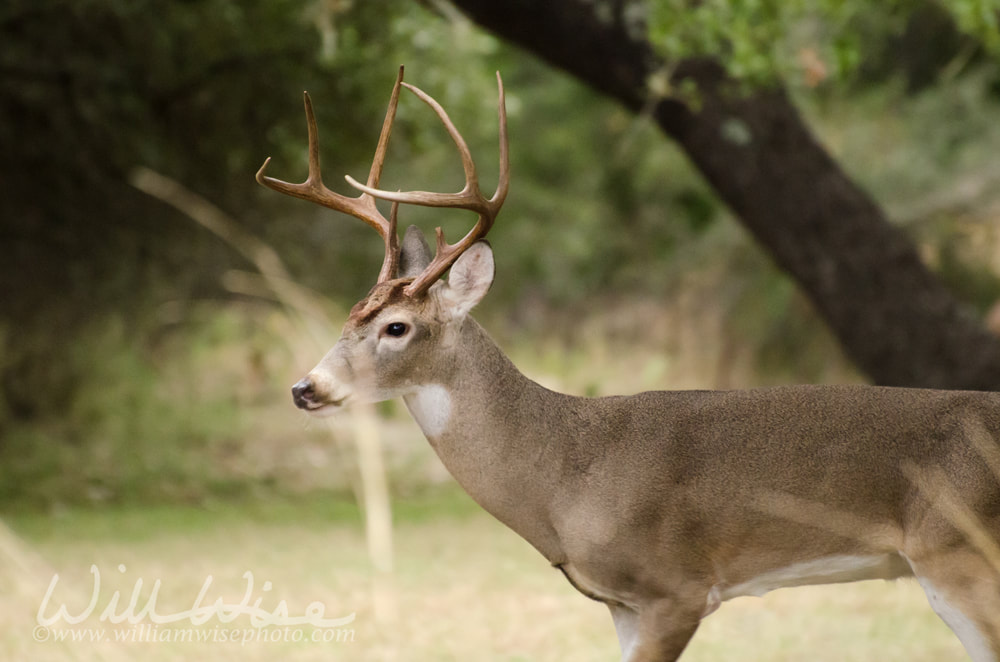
(463, 588)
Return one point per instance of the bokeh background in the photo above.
(156, 303)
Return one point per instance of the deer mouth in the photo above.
(323, 408)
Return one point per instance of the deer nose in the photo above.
(303, 394)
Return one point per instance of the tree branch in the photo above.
(895, 318)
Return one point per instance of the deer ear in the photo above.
(414, 254)
(470, 278)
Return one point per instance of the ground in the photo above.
(463, 588)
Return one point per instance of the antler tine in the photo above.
(391, 261)
(363, 206)
(503, 179)
(383, 139)
(470, 197)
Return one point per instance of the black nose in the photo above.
(303, 394)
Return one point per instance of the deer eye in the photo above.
(396, 329)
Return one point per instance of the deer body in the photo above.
(664, 504)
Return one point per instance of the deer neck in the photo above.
(491, 427)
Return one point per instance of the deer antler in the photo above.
(363, 206)
(469, 197)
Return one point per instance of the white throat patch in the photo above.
(431, 407)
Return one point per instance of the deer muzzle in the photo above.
(310, 397)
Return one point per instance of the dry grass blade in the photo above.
(374, 495)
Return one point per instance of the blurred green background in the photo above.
(141, 360)
(145, 362)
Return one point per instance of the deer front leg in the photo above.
(658, 632)
(963, 588)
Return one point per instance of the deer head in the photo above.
(396, 338)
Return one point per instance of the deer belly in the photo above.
(826, 570)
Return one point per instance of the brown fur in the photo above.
(382, 295)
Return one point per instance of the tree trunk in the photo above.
(894, 317)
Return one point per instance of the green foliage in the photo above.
(89, 90)
(105, 396)
(979, 18)
(761, 41)
(143, 424)
(165, 84)
(742, 32)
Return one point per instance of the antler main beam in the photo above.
(363, 206)
(470, 197)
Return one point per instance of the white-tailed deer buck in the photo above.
(663, 505)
